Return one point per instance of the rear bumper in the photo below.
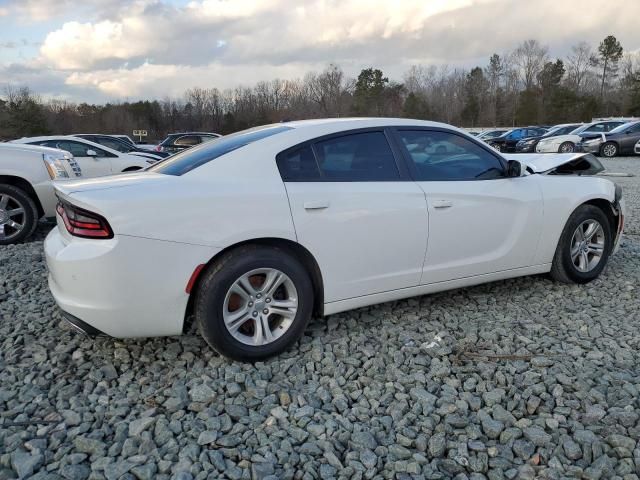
(124, 286)
(80, 326)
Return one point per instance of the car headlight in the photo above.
(528, 142)
(55, 166)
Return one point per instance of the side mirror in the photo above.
(92, 153)
(514, 168)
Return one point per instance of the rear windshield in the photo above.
(196, 156)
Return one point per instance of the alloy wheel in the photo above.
(609, 150)
(260, 306)
(566, 148)
(587, 245)
(12, 217)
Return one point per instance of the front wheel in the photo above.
(584, 246)
(566, 147)
(18, 215)
(609, 150)
(254, 303)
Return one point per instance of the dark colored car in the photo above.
(507, 141)
(121, 145)
(619, 141)
(528, 145)
(176, 142)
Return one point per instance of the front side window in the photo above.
(113, 144)
(444, 156)
(357, 157)
(78, 149)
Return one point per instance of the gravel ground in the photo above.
(517, 379)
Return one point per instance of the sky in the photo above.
(109, 50)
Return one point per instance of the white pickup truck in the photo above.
(26, 189)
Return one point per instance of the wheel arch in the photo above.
(607, 207)
(295, 249)
(25, 185)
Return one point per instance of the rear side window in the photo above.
(195, 157)
(357, 157)
(298, 165)
(188, 141)
(443, 156)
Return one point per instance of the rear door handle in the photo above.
(316, 205)
(442, 203)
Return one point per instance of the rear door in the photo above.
(629, 138)
(480, 221)
(357, 212)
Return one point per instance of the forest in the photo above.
(525, 86)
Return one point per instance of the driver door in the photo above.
(480, 221)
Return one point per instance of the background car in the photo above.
(121, 145)
(489, 134)
(619, 141)
(26, 190)
(250, 252)
(567, 143)
(528, 145)
(507, 141)
(95, 160)
(175, 142)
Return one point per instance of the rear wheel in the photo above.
(609, 150)
(566, 147)
(254, 303)
(584, 246)
(18, 214)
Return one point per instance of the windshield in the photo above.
(623, 127)
(552, 132)
(194, 157)
(582, 128)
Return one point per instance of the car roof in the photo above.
(27, 147)
(24, 140)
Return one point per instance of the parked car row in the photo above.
(29, 166)
(606, 138)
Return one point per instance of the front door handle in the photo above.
(442, 203)
(316, 205)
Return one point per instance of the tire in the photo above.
(216, 294)
(564, 268)
(609, 150)
(566, 147)
(497, 146)
(13, 198)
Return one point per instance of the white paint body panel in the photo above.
(373, 241)
(486, 226)
(95, 166)
(26, 162)
(370, 238)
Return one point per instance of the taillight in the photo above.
(158, 148)
(83, 223)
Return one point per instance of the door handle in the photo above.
(316, 205)
(442, 203)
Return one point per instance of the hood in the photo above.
(547, 162)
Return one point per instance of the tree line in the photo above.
(522, 87)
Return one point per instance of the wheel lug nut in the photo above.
(255, 314)
(268, 300)
(258, 296)
(251, 304)
(265, 311)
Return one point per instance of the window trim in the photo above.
(400, 164)
(411, 165)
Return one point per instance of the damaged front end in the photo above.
(559, 163)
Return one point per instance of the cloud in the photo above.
(4, 11)
(129, 48)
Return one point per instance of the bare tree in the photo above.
(578, 65)
(530, 57)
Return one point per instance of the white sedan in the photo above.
(95, 160)
(253, 233)
(567, 143)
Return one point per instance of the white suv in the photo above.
(26, 189)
